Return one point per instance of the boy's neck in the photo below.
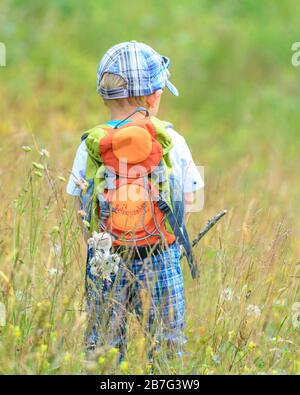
(119, 114)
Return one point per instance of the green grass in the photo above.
(238, 110)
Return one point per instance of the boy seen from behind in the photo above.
(135, 179)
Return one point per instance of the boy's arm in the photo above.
(193, 190)
(77, 173)
(189, 198)
(190, 177)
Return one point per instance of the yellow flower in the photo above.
(209, 351)
(17, 332)
(67, 357)
(247, 369)
(148, 368)
(101, 361)
(251, 346)
(113, 351)
(124, 366)
(44, 348)
(231, 335)
(53, 336)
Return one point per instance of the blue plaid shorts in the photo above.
(152, 288)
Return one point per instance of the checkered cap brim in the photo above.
(144, 70)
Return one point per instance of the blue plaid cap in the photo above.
(144, 70)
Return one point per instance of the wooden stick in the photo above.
(212, 222)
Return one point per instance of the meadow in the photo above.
(238, 110)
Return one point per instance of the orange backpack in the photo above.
(128, 207)
(132, 191)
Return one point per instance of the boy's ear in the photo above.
(154, 98)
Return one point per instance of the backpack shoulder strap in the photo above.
(179, 229)
(180, 233)
(92, 138)
(84, 136)
(94, 129)
(161, 124)
(162, 135)
(93, 171)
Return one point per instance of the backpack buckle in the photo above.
(110, 179)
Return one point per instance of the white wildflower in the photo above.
(103, 263)
(53, 271)
(227, 294)
(44, 152)
(253, 310)
(19, 294)
(56, 249)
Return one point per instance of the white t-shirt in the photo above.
(180, 156)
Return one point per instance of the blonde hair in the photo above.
(112, 81)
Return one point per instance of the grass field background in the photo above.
(239, 111)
